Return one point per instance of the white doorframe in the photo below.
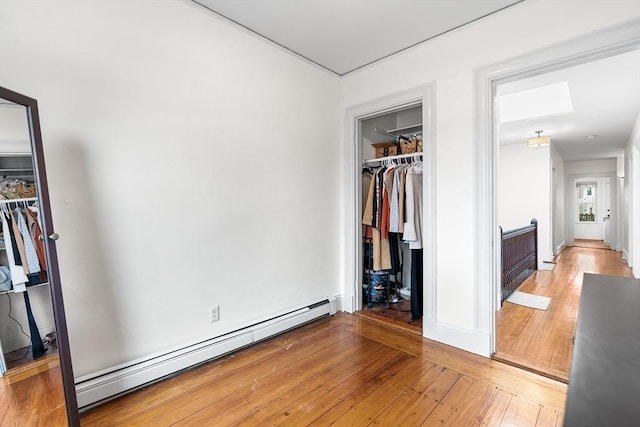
(593, 46)
(634, 221)
(554, 206)
(607, 200)
(424, 95)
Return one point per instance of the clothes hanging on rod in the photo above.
(16, 272)
(392, 216)
(24, 246)
(394, 204)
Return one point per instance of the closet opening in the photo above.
(390, 264)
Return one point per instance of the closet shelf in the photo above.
(406, 128)
(401, 132)
(399, 156)
(28, 287)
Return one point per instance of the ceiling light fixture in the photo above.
(539, 141)
(591, 136)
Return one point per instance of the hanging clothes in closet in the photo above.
(26, 259)
(22, 236)
(393, 217)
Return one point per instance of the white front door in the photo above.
(588, 223)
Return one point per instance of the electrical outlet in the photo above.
(214, 313)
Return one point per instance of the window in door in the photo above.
(587, 202)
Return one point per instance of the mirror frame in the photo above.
(40, 175)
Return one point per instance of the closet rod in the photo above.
(399, 156)
(28, 199)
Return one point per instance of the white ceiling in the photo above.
(606, 102)
(344, 35)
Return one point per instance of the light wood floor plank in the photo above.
(367, 386)
(560, 420)
(281, 406)
(497, 409)
(379, 400)
(520, 412)
(450, 403)
(417, 402)
(547, 417)
(345, 393)
(480, 398)
(253, 397)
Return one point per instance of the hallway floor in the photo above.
(542, 341)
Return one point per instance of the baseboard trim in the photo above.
(560, 248)
(101, 386)
(546, 265)
(478, 342)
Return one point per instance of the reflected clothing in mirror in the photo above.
(24, 266)
(37, 346)
(25, 248)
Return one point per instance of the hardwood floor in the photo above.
(542, 341)
(31, 395)
(344, 370)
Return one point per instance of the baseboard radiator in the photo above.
(110, 383)
(519, 257)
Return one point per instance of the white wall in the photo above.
(190, 163)
(449, 61)
(559, 238)
(604, 166)
(524, 192)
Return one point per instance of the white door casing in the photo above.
(600, 44)
(424, 95)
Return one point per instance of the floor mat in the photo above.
(529, 300)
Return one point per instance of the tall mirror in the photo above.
(37, 386)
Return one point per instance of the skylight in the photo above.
(550, 100)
